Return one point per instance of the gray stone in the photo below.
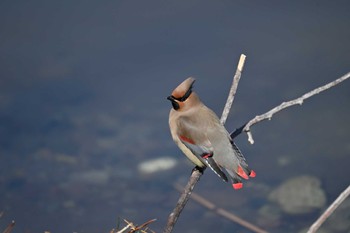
(299, 195)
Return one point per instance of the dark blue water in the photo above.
(83, 89)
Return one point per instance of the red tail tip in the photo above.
(252, 174)
(241, 173)
(237, 185)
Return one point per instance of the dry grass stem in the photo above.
(132, 228)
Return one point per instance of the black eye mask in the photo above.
(175, 104)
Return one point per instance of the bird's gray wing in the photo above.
(198, 143)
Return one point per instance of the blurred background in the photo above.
(84, 115)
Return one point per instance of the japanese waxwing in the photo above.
(202, 138)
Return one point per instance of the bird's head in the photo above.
(182, 96)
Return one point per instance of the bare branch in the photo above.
(232, 94)
(185, 195)
(222, 212)
(329, 210)
(197, 172)
(268, 115)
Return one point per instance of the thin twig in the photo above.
(124, 229)
(329, 210)
(268, 115)
(9, 227)
(222, 212)
(144, 225)
(231, 95)
(196, 173)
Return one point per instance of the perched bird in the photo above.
(202, 138)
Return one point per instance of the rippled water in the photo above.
(83, 89)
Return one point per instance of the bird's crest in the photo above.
(184, 90)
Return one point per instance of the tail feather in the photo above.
(237, 185)
(212, 164)
(242, 173)
(236, 180)
(243, 170)
(252, 174)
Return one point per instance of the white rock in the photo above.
(156, 165)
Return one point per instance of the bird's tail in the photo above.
(242, 170)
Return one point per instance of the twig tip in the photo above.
(250, 137)
(241, 62)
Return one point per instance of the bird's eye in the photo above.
(175, 104)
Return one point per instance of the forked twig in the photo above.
(268, 115)
(133, 228)
(329, 210)
(197, 172)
